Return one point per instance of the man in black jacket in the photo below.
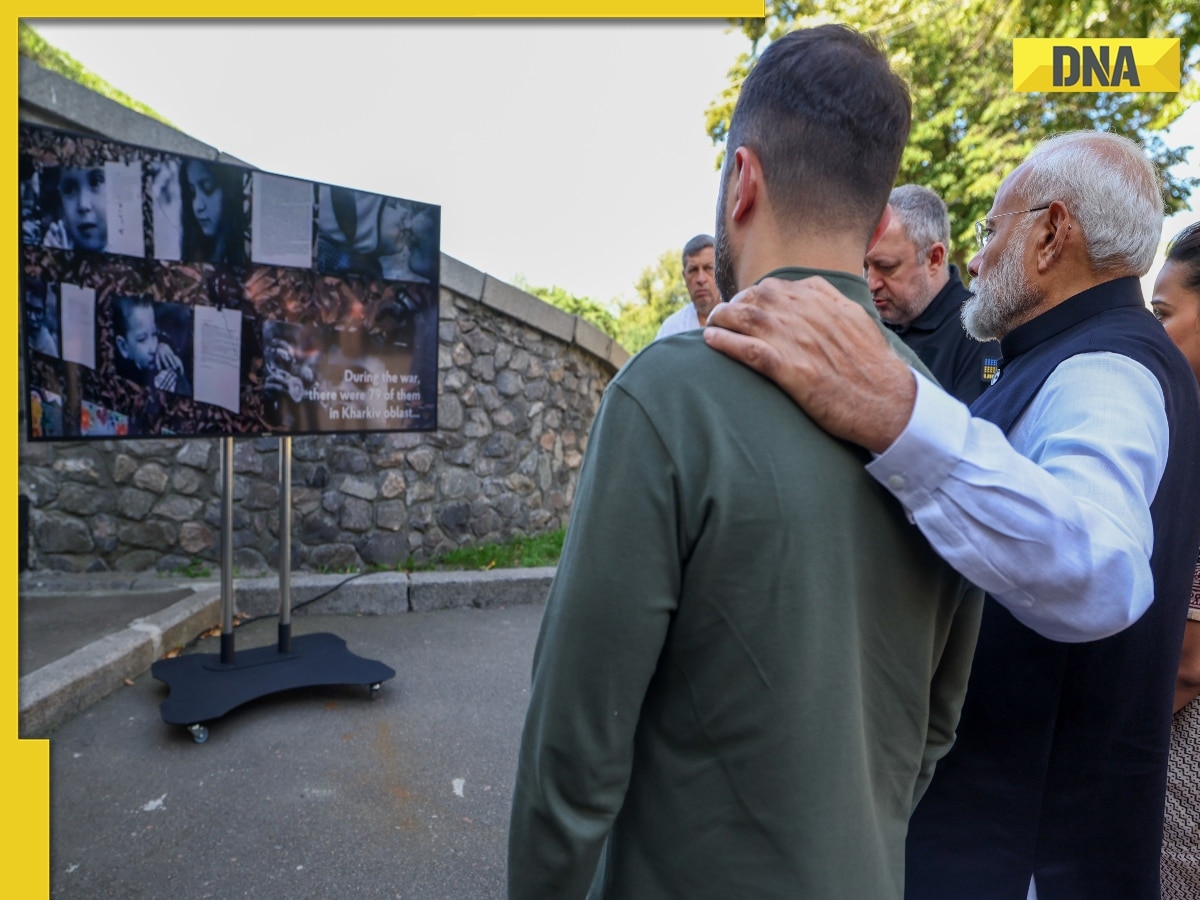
(919, 294)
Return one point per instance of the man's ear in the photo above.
(937, 255)
(1052, 242)
(884, 221)
(747, 181)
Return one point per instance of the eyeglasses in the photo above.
(983, 233)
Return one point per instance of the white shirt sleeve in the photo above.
(683, 319)
(1053, 521)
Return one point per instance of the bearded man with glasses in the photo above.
(1068, 491)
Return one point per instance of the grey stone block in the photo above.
(137, 561)
(391, 515)
(618, 356)
(523, 307)
(195, 454)
(448, 590)
(151, 477)
(57, 533)
(592, 339)
(247, 559)
(462, 279)
(338, 557)
(385, 550)
(81, 500)
(356, 515)
(78, 468)
(361, 488)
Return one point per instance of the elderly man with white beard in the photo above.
(1069, 491)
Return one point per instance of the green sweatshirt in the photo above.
(750, 660)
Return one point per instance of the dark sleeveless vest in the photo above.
(1059, 768)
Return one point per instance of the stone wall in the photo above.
(514, 407)
(518, 384)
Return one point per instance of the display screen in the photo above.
(164, 295)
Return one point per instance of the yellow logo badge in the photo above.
(1092, 65)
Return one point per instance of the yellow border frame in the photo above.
(433, 9)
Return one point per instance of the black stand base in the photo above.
(205, 686)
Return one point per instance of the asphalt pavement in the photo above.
(314, 792)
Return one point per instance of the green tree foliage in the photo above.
(660, 291)
(587, 309)
(969, 127)
(30, 44)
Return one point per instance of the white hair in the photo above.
(1111, 189)
(923, 215)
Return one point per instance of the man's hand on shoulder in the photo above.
(823, 350)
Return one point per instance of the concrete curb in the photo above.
(480, 590)
(51, 695)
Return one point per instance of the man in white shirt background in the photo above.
(1068, 491)
(698, 274)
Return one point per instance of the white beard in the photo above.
(1002, 297)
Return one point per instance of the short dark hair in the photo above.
(126, 304)
(828, 119)
(695, 245)
(35, 287)
(226, 246)
(1185, 250)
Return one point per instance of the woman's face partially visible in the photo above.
(207, 196)
(1178, 307)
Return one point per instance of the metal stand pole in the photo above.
(285, 544)
(227, 653)
(204, 687)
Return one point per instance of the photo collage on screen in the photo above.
(169, 295)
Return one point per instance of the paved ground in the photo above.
(56, 624)
(318, 792)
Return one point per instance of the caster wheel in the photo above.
(374, 690)
(199, 733)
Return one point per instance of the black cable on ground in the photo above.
(239, 622)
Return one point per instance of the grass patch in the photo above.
(338, 570)
(197, 568)
(517, 553)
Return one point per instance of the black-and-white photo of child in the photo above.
(291, 361)
(41, 317)
(367, 234)
(32, 226)
(408, 241)
(153, 343)
(214, 218)
(76, 199)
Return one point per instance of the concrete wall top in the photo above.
(47, 98)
